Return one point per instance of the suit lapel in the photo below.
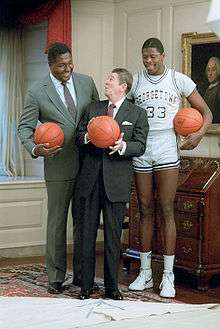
(79, 90)
(54, 97)
(122, 112)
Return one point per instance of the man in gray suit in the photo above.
(47, 101)
(104, 180)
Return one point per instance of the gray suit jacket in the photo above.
(44, 104)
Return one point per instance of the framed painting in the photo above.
(201, 62)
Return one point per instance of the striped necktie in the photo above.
(110, 110)
(69, 100)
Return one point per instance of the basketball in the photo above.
(187, 121)
(103, 131)
(49, 132)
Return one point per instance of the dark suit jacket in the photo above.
(117, 169)
(44, 104)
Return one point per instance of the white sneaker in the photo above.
(143, 281)
(167, 285)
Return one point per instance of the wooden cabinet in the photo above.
(197, 216)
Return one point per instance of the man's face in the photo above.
(212, 71)
(113, 88)
(153, 61)
(62, 67)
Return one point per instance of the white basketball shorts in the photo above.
(161, 152)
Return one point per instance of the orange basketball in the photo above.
(49, 132)
(187, 121)
(103, 131)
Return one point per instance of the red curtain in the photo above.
(59, 24)
(58, 14)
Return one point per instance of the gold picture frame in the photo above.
(197, 48)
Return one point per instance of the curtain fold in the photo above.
(11, 102)
(58, 15)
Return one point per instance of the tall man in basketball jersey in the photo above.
(159, 91)
(60, 97)
(104, 180)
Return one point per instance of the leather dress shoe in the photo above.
(113, 294)
(85, 294)
(55, 288)
(76, 282)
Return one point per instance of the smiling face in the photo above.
(113, 89)
(153, 61)
(62, 67)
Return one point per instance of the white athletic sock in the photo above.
(168, 263)
(145, 258)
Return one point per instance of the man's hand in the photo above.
(191, 141)
(45, 151)
(118, 145)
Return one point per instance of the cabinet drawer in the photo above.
(186, 250)
(184, 203)
(187, 224)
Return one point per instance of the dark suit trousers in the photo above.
(59, 197)
(113, 214)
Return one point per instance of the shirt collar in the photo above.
(57, 82)
(118, 103)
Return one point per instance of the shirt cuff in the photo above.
(122, 151)
(33, 153)
(86, 140)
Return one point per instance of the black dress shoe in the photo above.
(55, 288)
(85, 294)
(113, 294)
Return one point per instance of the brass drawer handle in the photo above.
(186, 250)
(187, 205)
(187, 225)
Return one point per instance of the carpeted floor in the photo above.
(31, 281)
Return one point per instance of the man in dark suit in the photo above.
(47, 101)
(104, 180)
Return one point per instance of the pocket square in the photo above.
(126, 123)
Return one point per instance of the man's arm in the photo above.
(26, 128)
(197, 102)
(28, 122)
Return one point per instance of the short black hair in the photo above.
(57, 49)
(153, 43)
(124, 76)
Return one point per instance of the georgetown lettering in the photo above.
(156, 94)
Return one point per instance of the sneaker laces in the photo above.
(143, 274)
(167, 277)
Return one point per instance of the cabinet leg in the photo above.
(203, 282)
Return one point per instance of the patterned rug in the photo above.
(31, 281)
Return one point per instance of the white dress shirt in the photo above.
(60, 90)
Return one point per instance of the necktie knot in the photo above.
(110, 110)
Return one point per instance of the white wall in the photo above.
(93, 23)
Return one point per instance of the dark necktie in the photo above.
(69, 100)
(110, 110)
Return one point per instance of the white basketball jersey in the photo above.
(161, 95)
